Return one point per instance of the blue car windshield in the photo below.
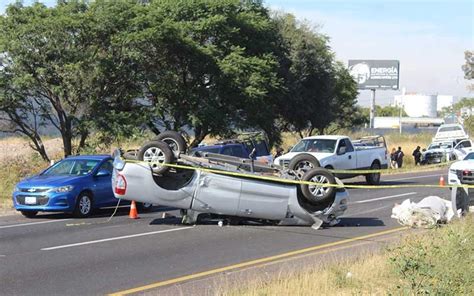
(72, 167)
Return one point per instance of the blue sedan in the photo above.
(77, 185)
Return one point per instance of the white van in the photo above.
(450, 132)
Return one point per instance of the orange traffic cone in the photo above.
(133, 211)
(441, 181)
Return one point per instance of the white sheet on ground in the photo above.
(427, 213)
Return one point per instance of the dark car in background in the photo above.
(241, 148)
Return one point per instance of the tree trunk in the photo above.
(39, 147)
(199, 134)
(67, 137)
(82, 142)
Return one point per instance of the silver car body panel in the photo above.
(207, 192)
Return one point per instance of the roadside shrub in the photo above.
(440, 262)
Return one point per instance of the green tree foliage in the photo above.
(61, 67)
(205, 65)
(210, 66)
(319, 91)
(463, 109)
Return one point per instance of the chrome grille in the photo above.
(33, 190)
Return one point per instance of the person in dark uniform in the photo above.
(417, 155)
(400, 155)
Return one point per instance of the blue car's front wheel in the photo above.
(83, 205)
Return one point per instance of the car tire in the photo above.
(373, 178)
(144, 206)
(175, 141)
(303, 163)
(316, 194)
(29, 214)
(156, 152)
(84, 205)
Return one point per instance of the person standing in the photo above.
(400, 155)
(393, 158)
(417, 155)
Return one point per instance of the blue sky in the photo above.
(428, 37)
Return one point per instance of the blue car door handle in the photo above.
(350, 157)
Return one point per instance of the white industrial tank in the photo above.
(416, 105)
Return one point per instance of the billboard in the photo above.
(375, 74)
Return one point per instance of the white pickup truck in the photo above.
(338, 153)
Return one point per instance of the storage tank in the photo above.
(417, 105)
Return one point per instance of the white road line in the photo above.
(382, 198)
(114, 238)
(416, 177)
(33, 223)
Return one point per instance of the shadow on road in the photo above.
(98, 213)
(360, 222)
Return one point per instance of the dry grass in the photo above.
(341, 277)
(439, 262)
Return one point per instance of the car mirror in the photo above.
(342, 150)
(102, 173)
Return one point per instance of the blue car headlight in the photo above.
(16, 189)
(62, 189)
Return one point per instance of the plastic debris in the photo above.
(427, 213)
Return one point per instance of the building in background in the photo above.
(420, 105)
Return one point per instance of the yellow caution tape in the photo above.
(288, 181)
(402, 170)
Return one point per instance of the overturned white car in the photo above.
(226, 185)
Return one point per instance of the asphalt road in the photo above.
(54, 254)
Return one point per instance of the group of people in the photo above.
(396, 157)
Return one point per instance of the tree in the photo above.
(205, 65)
(468, 67)
(61, 65)
(320, 91)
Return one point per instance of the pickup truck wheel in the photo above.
(318, 194)
(302, 163)
(29, 214)
(174, 140)
(374, 178)
(156, 152)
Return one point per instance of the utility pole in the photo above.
(401, 109)
(372, 108)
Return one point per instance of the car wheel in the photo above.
(302, 163)
(144, 206)
(373, 178)
(318, 194)
(29, 214)
(156, 152)
(174, 140)
(83, 205)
